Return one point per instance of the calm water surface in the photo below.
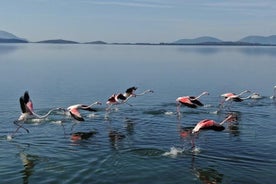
(153, 150)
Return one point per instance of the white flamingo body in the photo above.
(254, 96)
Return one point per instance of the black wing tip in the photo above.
(76, 117)
(26, 97)
(131, 89)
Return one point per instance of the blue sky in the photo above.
(137, 20)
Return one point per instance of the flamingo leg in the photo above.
(193, 142)
(178, 110)
(19, 126)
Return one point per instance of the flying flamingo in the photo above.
(254, 96)
(274, 94)
(208, 124)
(27, 109)
(120, 98)
(74, 110)
(232, 97)
(190, 101)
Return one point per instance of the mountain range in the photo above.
(6, 37)
(207, 40)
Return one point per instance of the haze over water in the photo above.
(152, 150)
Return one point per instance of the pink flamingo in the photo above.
(27, 109)
(208, 124)
(190, 101)
(232, 97)
(120, 98)
(74, 110)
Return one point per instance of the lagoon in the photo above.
(59, 75)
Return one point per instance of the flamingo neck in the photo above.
(249, 96)
(243, 93)
(204, 93)
(145, 92)
(46, 115)
(225, 120)
(95, 103)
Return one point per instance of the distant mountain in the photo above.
(96, 42)
(12, 41)
(58, 41)
(6, 37)
(260, 39)
(203, 39)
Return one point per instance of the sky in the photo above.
(135, 21)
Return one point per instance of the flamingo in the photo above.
(120, 98)
(274, 94)
(232, 97)
(190, 101)
(208, 124)
(74, 110)
(27, 110)
(254, 96)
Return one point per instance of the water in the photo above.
(153, 150)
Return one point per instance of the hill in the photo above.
(58, 41)
(6, 37)
(96, 42)
(271, 40)
(203, 39)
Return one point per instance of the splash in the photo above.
(196, 150)
(92, 115)
(36, 121)
(169, 113)
(57, 122)
(9, 137)
(173, 152)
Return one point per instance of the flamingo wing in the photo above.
(22, 105)
(226, 95)
(208, 125)
(87, 108)
(195, 101)
(26, 97)
(76, 114)
(187, 102)
(131, 90)
(237, 99)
